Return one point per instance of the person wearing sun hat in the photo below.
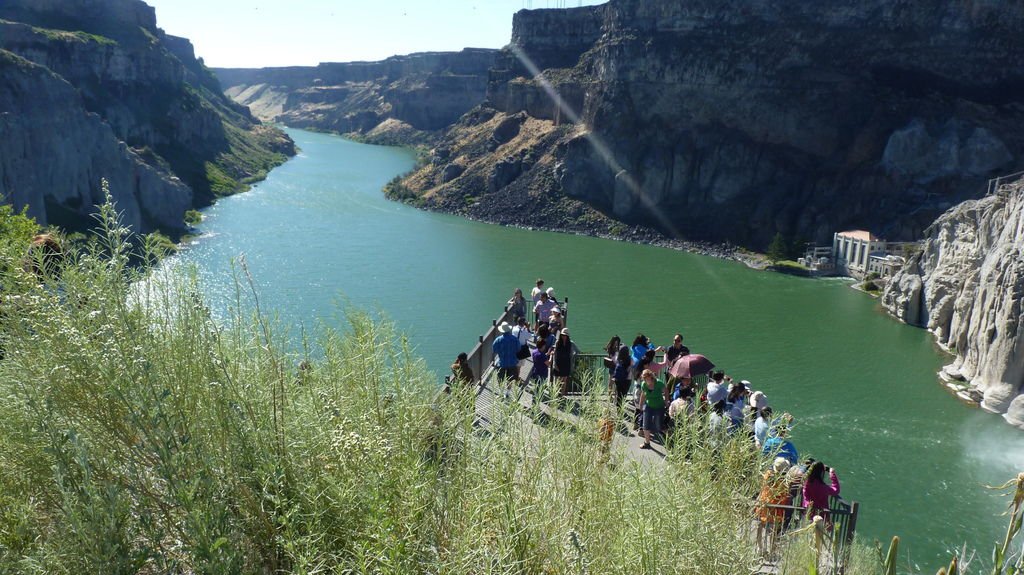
(505, 348)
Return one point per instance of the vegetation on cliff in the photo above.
(111, 95)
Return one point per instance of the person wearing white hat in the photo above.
(758, 400)
(506, 348)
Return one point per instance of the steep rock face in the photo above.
(150, 92)
(733, 120)
(426, 92)
(53, 153)
(967, 287)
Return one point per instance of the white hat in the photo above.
(504, 327)
(780, 465)
(745, 384)
(565, 331)
(758, 400)
(550, 292)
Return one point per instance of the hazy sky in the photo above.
(258, 33)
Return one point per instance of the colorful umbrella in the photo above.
(690, 366)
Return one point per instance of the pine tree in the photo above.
(777, 249)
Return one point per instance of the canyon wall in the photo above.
(732, 121)
(396, 98)
(93, 89)
(967, 287)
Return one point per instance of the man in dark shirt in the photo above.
(674, 352)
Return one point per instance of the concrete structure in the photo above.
(852, 251)
(885, 265)
(818, 259)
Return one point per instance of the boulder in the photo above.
(452, 171)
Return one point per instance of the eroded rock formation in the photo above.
(93, 89)
(391, 101)
(967, 287)
(733, 120)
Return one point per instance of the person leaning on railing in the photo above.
(816, 492)
(517, 305)
(461, 371)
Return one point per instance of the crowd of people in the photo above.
(731, 408)
(662, 395)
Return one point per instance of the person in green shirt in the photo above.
(652, 397)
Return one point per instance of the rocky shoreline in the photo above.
(639, 235)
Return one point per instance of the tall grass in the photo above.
(140, 435)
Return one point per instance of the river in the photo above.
(318, 236)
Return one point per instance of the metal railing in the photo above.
(1007, 181)
(832, 539)
(481, 356)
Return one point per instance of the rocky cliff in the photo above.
(967, 287)
(732, 120)
(93, 89)
(391, 101)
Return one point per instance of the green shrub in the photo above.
(397, 191)
(16, 231)
(159, 245)
(193, 217)
(618, 229)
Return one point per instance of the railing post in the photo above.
(851, 528)
(480, 361)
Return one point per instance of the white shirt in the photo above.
(535, 294)
(523, 333)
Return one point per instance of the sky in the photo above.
(261, 33)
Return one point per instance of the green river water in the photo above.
(318, 236)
